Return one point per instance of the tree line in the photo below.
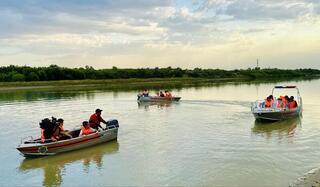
(53, 72)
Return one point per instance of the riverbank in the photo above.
(135, 83)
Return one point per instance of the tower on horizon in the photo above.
(257, 67)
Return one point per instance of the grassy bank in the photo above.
(115, 83)
(137, 84)
(24, 77)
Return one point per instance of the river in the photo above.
(209, 138)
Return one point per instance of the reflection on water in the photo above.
(53, 93)
(146, 105)
(280, 129)
(54, 166)
(32, 95)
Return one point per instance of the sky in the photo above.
(225, 34)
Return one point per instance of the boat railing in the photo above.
(31, 140)
(28, 137)
(257, 104)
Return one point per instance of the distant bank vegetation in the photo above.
(54, 72)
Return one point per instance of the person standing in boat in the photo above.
(95, 120)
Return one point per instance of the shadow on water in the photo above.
(54, 166)
(279, 129)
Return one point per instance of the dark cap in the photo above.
(60, 120)
(98, 110)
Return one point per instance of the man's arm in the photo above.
(103, 121)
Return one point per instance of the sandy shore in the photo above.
(310, 179)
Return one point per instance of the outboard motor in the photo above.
(113, 123)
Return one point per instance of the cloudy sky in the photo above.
(225, 34)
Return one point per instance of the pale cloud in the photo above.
(208, 33)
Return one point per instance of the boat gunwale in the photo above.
(58, 143)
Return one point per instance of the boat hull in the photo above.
(52, 148)
(276, 115)
(158, 99)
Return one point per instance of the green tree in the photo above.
(17, 77)
(32, 77)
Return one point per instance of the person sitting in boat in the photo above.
(274, 101)
(161, 94)
(46, 136)
(268, 102)
(292, 103)
(86, 129)
(145, 93)
(286, 101)
(279, 102)
(95, 120)
(167, 94)
(58, 131)
(271, 97)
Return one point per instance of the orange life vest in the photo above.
(42, 136)
(86, 131)
(292, 104)
(285, 102)
(267, 103)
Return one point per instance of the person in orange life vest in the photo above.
(267, 102)
(271, 97)
(43, 138)
(63, 133)
(292, 104)
(95, 120)
(58, 131)
(86, 129)
(51, 133)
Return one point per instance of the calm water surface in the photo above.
(210, 138)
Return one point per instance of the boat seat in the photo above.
(75, 133)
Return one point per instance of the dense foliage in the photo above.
(54, 72)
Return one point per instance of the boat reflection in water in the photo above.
(54, 166)
(160, 105)
(278, 129)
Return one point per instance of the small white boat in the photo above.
(34, 147)
(276, 114)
